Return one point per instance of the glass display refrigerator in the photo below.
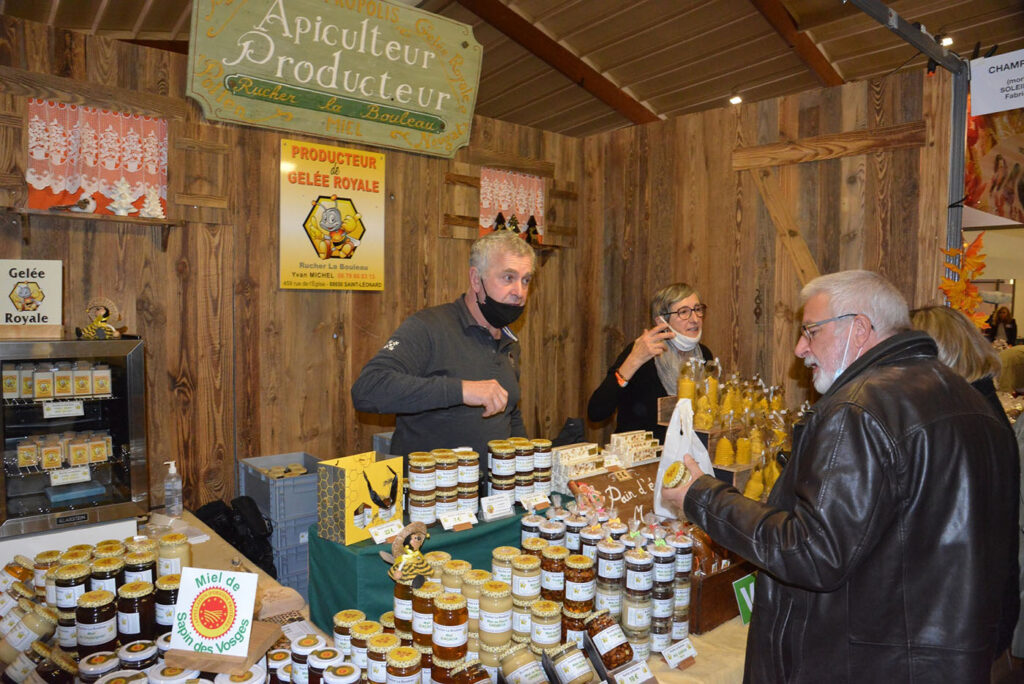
(73, 426)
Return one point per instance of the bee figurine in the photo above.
(100, 310)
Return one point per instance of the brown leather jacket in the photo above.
(887, 541)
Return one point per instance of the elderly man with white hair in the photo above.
(887, 541)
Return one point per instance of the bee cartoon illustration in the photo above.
(335, 227)
(25, 300)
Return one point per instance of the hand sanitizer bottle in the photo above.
(172, 491)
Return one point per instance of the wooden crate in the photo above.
(712, 600)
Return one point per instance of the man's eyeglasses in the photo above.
(811, 329)
(684, 311)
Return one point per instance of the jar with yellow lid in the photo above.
(545, 624)
(166, 598)
(345, 673)
(503, 485)
(503, 460)
(70, 584)
(609, 639)
(501, 563)
(139, 543)
(552, 572)
(26, 663)
(43, 562)
(572, 667)
(469, 467)
(519, 666)
(106, 574)
(452, 573)
(343, 622)
(422, 479)
(301, 649)
(469, 498)
(60, 669)
(96, 622)
(446, 468)
(38, 623)
(108, 549)
(88, 548)
(403, 666)
(495, 624)
(404, 637)
(524, 456)
(441, 670)
(377, 649)
(19, 569)
(573, 626)
(14, 615)
(78, 556)
(403, 607)
(175, 553)
(140, 566)
(15, 592)
(423, 612)
(472, 583)
(446, 500)
(525, 577)
(541, 453)
(66, 635)
(422, 508)
(319, 660)
(136, 612)
(361, 633)
(522, 620)
(472, 672)
(580, 583)
(426, 662)
(534, 546)
(437, 559)
(451, 627)
(524, 486)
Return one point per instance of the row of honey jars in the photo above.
(60, 380)
(69, 449)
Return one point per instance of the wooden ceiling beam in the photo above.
(98, 19)
(778, 16)
(544, 47)
(186, 14)
(143, 13)
(54, 6)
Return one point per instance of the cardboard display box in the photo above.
(712, 599)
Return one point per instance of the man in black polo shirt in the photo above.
(450, 373)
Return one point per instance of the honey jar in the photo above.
(340, 674)
(402, 609)
(503, 461)
(524, 457)
(503, 485)
(91, 668)
(175, 553)
(545, 624)
(136, 612)
(437, 559)
(422, 479)
(140, 566)
(345, 619)
(446, 500)
(501, 563)
(534, 546)
(611, 565)
(302, 648)
(571, 666)
(377, 649)
(522, 620)
(525, 577)
(43, 562)
(469, 468)
(446, 469)
(67, 631)
(441, 670)
(403, 666)
(472, 583)
(609, 639)
(106, 574)
(473, 672)
(423, 613)
(519, 665)
(580, 583)
(26, 663)
(553, 532)
(495, 614)
(319, 660)
(166, 599)
(552, 572)
(451, 627)
(361, 633)
(573, 627)
(70, 585)
(452, 573)
(524, 486)
(387, 622)
(469, 498)
(138, 655)
(422, 508)
(529, 527)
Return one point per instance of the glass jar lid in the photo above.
(526, 562)
(46, 613)
(555, 552)
(457, 567)
(534, 544)
(387, 620)
(505, 553)
(173, 539)
(476, 577)
(137, 651)
(363, 630)
(72, 572)
(348, 617)
(135, 589)
(428, 590)
(404, 656)
(168, 582)
(308, 643)
(24, 590)
(495, 589)
(47, 557)
(450, 602)
(545, 609)
(95, 599)
(112, 564)
(40, 649)
(381, 643)
(579, 562)
(75, 557)
(140, 558)
(98, 663)
(25, 562)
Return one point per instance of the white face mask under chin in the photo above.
(684, 343)
(827, 383)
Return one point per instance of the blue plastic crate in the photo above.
(287, 498)
(299, 581)
(291, 561)
(291, 533)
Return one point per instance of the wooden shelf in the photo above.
(27, 214)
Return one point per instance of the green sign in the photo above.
(744, 590)
(368, 71)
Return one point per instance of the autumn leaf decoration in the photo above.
(962, 293)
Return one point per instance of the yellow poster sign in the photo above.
(332, 218)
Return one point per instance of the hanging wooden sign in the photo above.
(368, 71)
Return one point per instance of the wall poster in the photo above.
(994, 168)
(512, 201)
(331, 230)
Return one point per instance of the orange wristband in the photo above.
(621, 380)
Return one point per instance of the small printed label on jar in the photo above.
(469, 474)
(664, 572)
(495, 623)
(641, 650)
(572, 541)
(140, 576)
(641, 581)
(422, 623)
(492, 671)
(684, 562)
(530, 673)
(521, 622)
(425, 677)
(502, 574)
(572, 666)
(574, 636)
(552, 580)
(300, 672)
(403, 609)
(524, 463)
(525, 534)
(610, 601)
(5, 581)
(525, 585)
(680, 629)
(6, 602)
(39, 577)
(580, 591)
(637, 617)
(100, 633)
(523, 490)
(442, 507)
(105, 584)
(473, 608)
(450, 636)
(67, 597)
(19, 669)
(421, 482)
(447, 478)
(378, 671)
(588, 550)
(51, 593)
(683, 595)
(164, 614)
(128, 623)
(423, 514)
(612, 569)
(471, 655)
(67, 636)
(471, 505)
(343, 643)
(503, 467)
(541, 460)
(608, 638)
(541, 487)
(168, 566)
(408, 679)
(662, 607)
(9, 621)
(21, 637)
(358, 657)
(546, 634)
(659, 642)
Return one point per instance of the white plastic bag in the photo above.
(680, 439)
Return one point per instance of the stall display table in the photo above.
(356, 576)
(720, 657)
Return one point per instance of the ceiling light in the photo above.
(946, 41)
(735, 99)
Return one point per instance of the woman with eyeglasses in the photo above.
(648, 368)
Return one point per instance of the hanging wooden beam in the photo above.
(778, 16)
(832, 146)
(518, 29)
(785, 225)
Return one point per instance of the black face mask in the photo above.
(497, 314)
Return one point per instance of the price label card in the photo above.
(496, 506)
(63, 409)
(635, 673)
(69, 475)
(381, 533)
(678, 652)
(450, 520)
(536, 501)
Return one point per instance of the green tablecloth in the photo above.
(356, 576)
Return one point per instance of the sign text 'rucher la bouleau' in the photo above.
(363, 70)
